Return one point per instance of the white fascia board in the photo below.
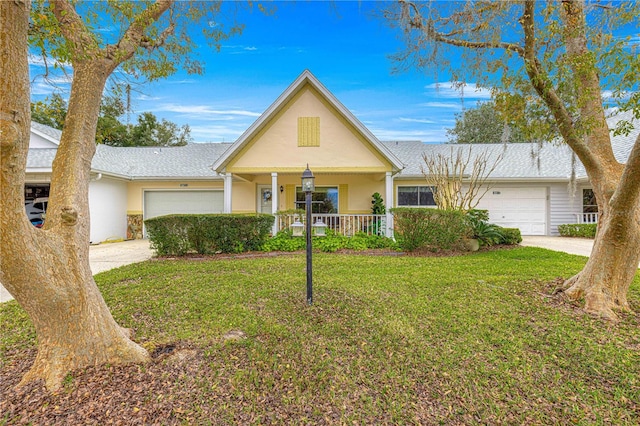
(176, 178)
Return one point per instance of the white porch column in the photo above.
(388, 204)
(228, 184)
(275, 202)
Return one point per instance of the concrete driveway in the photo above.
(103, 257)
(579, 246)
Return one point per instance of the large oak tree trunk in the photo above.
(47, 270)
(604, 281)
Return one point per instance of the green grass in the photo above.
(424, 340)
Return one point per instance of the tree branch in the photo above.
(416, 21)
(73, 29)
(134, 36)
(541, 84)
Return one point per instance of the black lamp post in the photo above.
(308, 186)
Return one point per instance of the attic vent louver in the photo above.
(308, 131)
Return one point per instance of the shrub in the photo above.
(177, 235)
(582, 230)
(489, 234)
(510, 236)
(430, 229)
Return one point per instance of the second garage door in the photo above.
(523, 208)
(160, 203)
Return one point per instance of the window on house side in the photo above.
(416, 196)
(308, 131)
(589, 204)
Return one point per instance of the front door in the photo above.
(264, 201)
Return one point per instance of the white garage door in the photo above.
(160, 203)
(523, 208)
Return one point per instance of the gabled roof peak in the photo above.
(306, 77)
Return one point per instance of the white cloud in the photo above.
(441, 105)
(436, 135)
(416, 120)
(205, 110)
(452, 89)
(143, 97)
(251, 48)
(217, 132)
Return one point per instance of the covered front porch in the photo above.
(341, 201)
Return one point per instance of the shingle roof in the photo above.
(189, 161)
(41, 158)
(195, 161)
(519, 160)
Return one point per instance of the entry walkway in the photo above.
(103, 257)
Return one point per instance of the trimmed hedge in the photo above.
(430, 229)
(285, 241)
(582, 230)
(179, 234)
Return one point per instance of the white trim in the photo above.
(388, 205)
(275, 201)
(228, 190)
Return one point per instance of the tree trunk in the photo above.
(604, 281)
(47, 270)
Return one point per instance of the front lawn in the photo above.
(472, 339)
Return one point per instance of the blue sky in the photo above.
(340, 42)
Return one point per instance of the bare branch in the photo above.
(448, 173)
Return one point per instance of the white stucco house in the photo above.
(260, 172)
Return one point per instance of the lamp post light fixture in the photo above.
(308, 186)
(320, 228)
(297, 228)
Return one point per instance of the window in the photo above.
(589, 203)
(308, 131)
(416, 196)
(323, 199)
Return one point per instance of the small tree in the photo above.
(448, 175)
(377, 204)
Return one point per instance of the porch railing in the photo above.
(343, 224)
(586, 217)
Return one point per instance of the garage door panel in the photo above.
(522, 208)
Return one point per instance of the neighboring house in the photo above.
(260, 172)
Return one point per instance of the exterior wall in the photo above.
(558, 206)
(275, 148)
(37, 141)
(564, 205)
(107, 209)
(244, 198)
(135, 190)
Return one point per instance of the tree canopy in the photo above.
(484, 124)
(148, 131)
